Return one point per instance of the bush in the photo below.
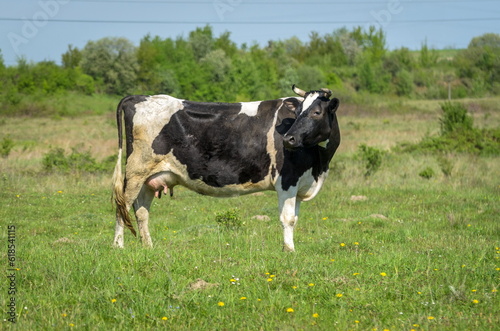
(229, 219)
(77, 161)
(372, 158)
(458, 135)
(427, 173)
(455, 117)
(6, 146)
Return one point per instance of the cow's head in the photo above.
(314, 118)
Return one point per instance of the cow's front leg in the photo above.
(289, 215)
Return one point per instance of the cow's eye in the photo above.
(317, 112)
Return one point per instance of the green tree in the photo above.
(113, 63)
(201, 41)
(428, 57)
(479, 64)
(72, 57)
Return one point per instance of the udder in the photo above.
(158, 183)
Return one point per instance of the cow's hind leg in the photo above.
(141, 207)
(118, 241)
(130, 194)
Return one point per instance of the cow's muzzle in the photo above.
(291, 142)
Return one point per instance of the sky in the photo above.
(42, 30)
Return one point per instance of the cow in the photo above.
(223, 150)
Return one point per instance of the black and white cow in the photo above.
(222, 150)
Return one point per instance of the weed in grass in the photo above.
(229, 219)
(371, 157)
(78, 161)
(6, 146)
(427, 173)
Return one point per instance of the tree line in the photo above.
(205, 67)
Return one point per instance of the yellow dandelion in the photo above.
(269, 279)
(463, 265)
(243, 298)
(310, 284)
(113, 300)
(71, 325)
(64, 315)
(356, 321)
(430, 318)
(331, 260)
(315, 315)
(383, 274)
(220, 304)
(232, 280)
(494, 290)
(497, 269)
(289, 310)
(355, 274)
(339, 295)
(272, 276)
(164, 318)
(419, 292)
(267, 273)
(324, 218)
(342, 244)
(356, 243)
(416, 325)
(475, 301)
(473, 290)
(294, 287)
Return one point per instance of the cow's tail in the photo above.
(118, 194)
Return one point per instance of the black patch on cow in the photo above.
(217, 144)
(128, 107)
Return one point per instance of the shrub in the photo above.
(6, 146)
(427, 173)
(445, 164)
(457, 135)
(77, 161)
(372, 158)
(229, 219)
(455, 117)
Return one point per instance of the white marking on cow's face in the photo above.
(309, 100)
(250, 108)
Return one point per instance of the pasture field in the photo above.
(392, 251)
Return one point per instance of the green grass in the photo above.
(415, 253)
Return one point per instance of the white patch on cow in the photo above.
(324, 143)
(250, 108)
(308, 186)
(309, 100)
(152, 115)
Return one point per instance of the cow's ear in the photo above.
(333, 105)
(291, 104)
